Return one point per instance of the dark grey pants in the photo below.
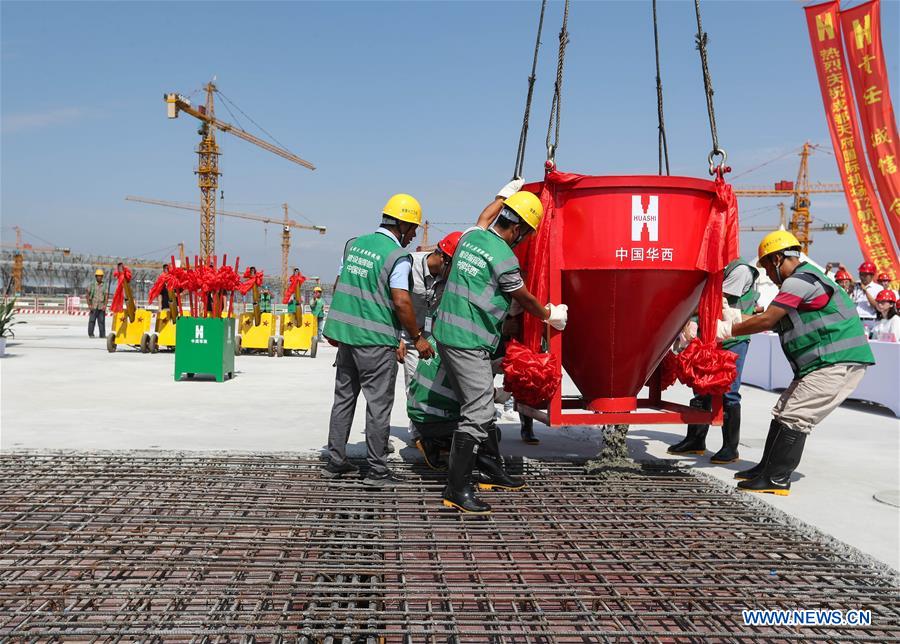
(473, 380)
(372, 370)
(98, 316)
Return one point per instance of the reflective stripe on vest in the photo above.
(430, 385)
(428, 409)
(483, 301)
(369, 325)
(831, 335)
(354, 291)
(467, 325)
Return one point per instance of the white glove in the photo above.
(559, 315)
(723, 330)
(510, 188)
(729, 313)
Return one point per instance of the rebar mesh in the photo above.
(222, 548)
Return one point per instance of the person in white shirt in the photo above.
(865, 293)
(887, 327)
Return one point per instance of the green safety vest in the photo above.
(362, 312)
(746, 303)
(833, 334)
(430, 397)
(317, 308)
(473, 307)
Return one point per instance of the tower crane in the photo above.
(208, 157)
(840, 229)
(286, 224)
(799, 192)
(19, 261)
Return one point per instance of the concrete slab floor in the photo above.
(60, 389)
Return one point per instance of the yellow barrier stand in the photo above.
(130, 333)
(298, 338)
(259, 337)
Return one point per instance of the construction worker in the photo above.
(265, 301)
(317, 308)
(429, 275)
(740, 293)
(865, 293)
(96, 299)
(371, 304)
(825, 344)
(484, 279)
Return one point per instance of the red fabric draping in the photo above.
(296, 281)
(251, 281)
(532, 378)
(668, 371)
(704, 365)
(118, 300)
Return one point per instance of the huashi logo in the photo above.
(198, 335)
(644, 218)
(825, 26)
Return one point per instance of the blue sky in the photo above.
(419, 97)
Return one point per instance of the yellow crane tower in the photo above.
(19, 261)
(799, 191)
(208, 157)
(286, 224)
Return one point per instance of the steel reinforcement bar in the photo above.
(221, 548)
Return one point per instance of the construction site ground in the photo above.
(88, 438)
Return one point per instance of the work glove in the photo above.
(731, 314)
(723, 330)
(510, 188)
(559, 315)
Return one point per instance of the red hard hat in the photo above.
(866, 267)
(886, 295)
(882, 277)
(843, 275)
(448, 244)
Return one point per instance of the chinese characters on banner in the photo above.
(824, 35)
(861, 27)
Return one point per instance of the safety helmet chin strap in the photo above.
(784, 254)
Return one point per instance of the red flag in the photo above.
(861, 27)
(824, 35)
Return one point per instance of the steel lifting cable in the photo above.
(663, 144)
(702, 40)
(523, 136)
(556, 105)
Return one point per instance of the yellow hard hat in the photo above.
(318, 289)
(776, 241)
(99, 272)
(405, 208)
(527, 206)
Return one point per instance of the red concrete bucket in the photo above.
(624, 253)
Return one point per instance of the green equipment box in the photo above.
(204, 346)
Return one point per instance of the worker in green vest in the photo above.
(317, 308)
(371, 304)
(484, 279)
(739, 290)
(825, 343)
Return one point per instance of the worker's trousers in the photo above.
(98, 316)
(473, 380)
(372, 370)
(808, 400)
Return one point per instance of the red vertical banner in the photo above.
(861, 27)
(825, 36)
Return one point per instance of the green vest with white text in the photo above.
(430, 397)
(362, 312)
(473, 307)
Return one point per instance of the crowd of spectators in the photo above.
(875, 299)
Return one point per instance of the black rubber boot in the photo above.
(431, 450)
(527, 432)
(756, 470)
(731, 435)
(458, 492)
(693, 443)
(787, 449)
(492, 473)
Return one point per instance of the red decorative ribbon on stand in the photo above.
(296, 281)
(118, 300)
(255, 279)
